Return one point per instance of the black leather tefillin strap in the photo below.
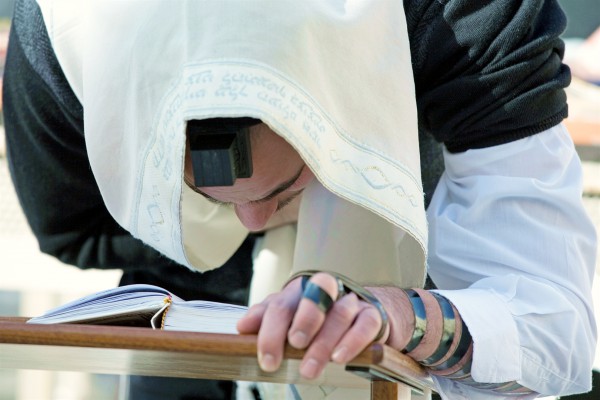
(347, 285)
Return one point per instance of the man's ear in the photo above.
(220, 150)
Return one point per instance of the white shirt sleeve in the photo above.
(512, 247)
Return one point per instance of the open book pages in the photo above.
(146, 305)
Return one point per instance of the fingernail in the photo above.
(267, 362)
(310, 369)
(339, 355)
(298, 340)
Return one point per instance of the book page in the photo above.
(127, 305)
(203, 316)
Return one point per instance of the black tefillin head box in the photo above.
(220, 150)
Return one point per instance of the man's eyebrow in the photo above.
(279, 189)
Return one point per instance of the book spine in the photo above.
(162, 314)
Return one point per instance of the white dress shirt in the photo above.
(513, 248)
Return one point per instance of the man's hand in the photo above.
(338, 335)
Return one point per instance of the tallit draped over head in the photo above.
(332, 77)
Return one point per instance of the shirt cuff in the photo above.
(496, 348)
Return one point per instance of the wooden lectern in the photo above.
(143, 351)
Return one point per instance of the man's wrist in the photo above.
(399, 309)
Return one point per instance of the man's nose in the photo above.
(254, 216)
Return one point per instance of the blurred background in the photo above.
(31, 282)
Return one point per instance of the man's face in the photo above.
(279, 177)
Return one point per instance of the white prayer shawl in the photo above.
(333, 78)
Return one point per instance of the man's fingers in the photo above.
(250, 322)
(311, 319)
(339, 320)
(276, 320)
(311, 313)
(359, 336)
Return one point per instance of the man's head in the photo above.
(279, 176)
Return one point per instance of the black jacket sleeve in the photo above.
(57, 190)
(487, 72)
(48, 162)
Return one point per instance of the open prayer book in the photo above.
(146, 305)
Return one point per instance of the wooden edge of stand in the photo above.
(378, 362)
(388, 364)
(17, 331)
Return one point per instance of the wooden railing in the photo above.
(143, 351)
